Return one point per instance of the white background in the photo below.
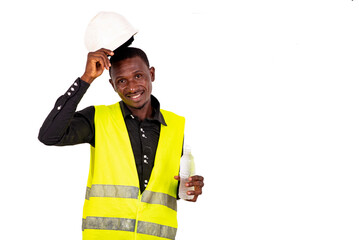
(269, 89)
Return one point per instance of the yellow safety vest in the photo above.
(114, 208)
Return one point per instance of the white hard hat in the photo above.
(108, 30)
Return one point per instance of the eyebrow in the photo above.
(137, 71)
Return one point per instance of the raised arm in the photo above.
(65, 126)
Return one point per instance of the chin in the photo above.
(138, 106)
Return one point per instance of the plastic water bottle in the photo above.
(187, 169)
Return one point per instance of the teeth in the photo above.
(135, 96)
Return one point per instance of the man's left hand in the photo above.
(197, 182)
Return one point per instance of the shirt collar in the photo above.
(157, 115)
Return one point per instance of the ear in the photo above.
(112, 84)
(152, 72)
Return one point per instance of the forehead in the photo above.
(128, 66)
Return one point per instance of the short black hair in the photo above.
(123, 53)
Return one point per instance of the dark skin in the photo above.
(132, 79)
(197, 182)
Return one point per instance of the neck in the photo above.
(143, 112)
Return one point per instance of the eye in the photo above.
(138, 76)
(121, 81)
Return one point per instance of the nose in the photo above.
(132, 86)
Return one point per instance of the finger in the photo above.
(177, 178)
(196, 184)
(108, 52)
(106, 61)
(195, 196)
(196, 192)
(196, 181)
(100, 56)
(196, 178)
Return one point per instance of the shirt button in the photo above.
(72, 89)
(144, 136)
(145, 161)
(132, 116)
(146, 181)
(69, 93)
(59, 107)
(75, 84)
(141, 129)
(145, 185)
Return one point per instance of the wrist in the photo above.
(87, 79)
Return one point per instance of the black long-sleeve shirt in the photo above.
(64, 126)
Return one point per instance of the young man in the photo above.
(135, 150)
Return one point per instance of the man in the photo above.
(135, 150)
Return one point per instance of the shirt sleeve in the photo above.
(64, 126)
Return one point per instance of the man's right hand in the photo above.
(96, 64)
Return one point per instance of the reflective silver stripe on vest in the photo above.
(159, 198)
(125, 224)
(156, 230)
(104, 223)
(113, 191)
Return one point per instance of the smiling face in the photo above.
(132, 79)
